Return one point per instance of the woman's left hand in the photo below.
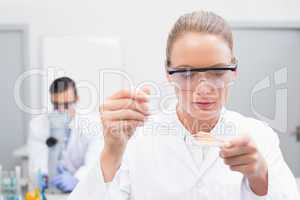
(242, 155)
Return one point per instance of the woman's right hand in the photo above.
(121, 114)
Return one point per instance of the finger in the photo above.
(138, 95)
(60, 169)
(239, 141)
(118, 104)
(241, 160)
(245, 169)
(63, 187)
(237, 151)
(125, 114)
(123, 125)
(60, 185)
(56, 180)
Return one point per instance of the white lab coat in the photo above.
(160, 164)
(83, 149)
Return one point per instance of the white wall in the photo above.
(141, 25)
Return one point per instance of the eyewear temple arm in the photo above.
(229, 67)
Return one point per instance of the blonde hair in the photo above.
(199, 22)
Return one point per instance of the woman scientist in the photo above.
(161, 160)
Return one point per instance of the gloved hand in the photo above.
(65, 181)
(43, 181)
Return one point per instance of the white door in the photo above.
(12, 59)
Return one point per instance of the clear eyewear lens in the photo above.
(190, 80)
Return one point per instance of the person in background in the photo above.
(63, 140)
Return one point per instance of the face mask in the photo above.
(59, 119)
(72, 106)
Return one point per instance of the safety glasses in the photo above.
(188, 77)
(65, 105)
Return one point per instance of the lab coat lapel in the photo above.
(174, 144)
(213, 152)
(188, 159)
(211, 158)
(179, 150)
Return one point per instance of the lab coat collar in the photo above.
(75, 121)
(212, 153)
(72, 123)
